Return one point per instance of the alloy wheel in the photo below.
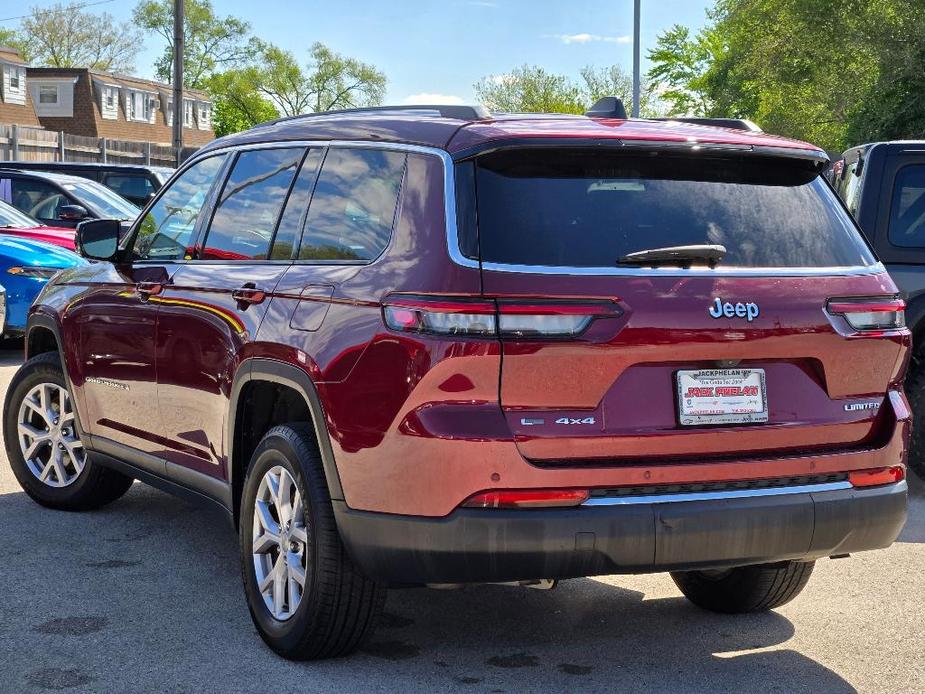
(48, 437)
(279, 543)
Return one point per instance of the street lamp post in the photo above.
(178, 11)
(636, 78)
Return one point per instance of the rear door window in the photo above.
(37, 198)
(575, 208)
(353, 208)
(250, 203)
(907, 209)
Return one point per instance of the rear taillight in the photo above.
(870, 314)
(527, 498)
(877, 476)
(504, 318)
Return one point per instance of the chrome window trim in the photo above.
(452, 232)
(717, 496)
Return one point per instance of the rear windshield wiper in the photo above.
(697, 254)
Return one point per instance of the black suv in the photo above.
(883, 186)
(137, 184)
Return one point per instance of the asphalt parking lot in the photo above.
(145, 596)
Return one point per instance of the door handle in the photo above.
(248, 295)
(146, 290)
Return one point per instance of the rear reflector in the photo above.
(877, 477)
(488, 318)
(883, 313)
(527, 498)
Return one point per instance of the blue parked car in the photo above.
(25, 267)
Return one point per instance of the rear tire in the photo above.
(335, 608)
(743, 589)
(915, 392)
(74, 483)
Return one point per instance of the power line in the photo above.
(79, 6)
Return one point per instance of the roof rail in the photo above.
(443, 110)
(608, 107)
(731, 123)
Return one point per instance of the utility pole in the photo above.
(178, 40)
(636, 83)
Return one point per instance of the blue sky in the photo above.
(440, 48)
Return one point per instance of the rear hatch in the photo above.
(788, 343)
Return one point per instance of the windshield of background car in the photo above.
(109, 204)
(10, 217)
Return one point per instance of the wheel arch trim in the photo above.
(282, 373)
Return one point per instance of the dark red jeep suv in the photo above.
(433, 345)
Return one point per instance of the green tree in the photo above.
(213, 43)
(238, 105)
(615, 81)
(328, 81)
(67, 36)
(833, 72)
(530, 89)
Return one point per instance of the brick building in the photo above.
(15, 99)
(97, 104)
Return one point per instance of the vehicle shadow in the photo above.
(147, 598)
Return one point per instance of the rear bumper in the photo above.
(480, 545)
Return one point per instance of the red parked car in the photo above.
(433, 345)
(17, 223)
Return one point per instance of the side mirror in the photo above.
(98, 239)
(72, 213)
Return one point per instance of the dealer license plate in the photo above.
(722, 396)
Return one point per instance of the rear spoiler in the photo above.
(816, 158)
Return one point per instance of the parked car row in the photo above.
(41, 204)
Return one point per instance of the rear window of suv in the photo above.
(581, 208)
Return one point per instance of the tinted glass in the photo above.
(352, 210)
(249, 206)
(37, 198)
(130, 185)
(907, 211)
(290, 224)
(167, 228)
(587, 209)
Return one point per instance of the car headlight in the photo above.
(39, 272)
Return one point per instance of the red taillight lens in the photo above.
(527, 498)
(878, 313)
(506, 318)
(877, 477)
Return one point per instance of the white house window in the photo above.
(48, 94)
(204, 116)
(138, 106)
(14, 84)
(109, 102)
(187, 113)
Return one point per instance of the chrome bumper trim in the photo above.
(716, 496)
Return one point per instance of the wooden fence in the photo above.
(21, 143)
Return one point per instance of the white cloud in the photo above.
(481, 3)
(428, 99)
(588, 38)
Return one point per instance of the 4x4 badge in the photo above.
(720, 309)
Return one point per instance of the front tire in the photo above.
(43, 446)
(306, 597)
(742, 589)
